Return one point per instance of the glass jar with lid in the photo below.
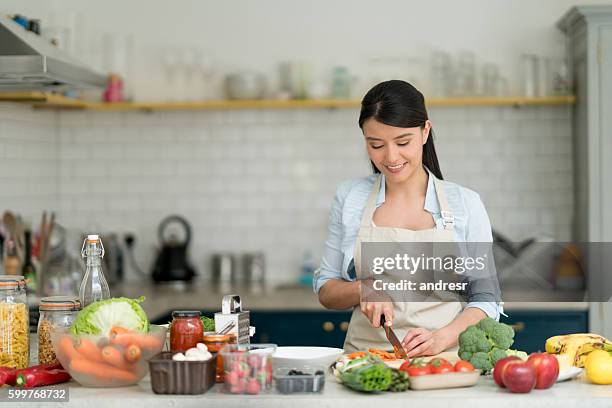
(186, 330)
(14, 322)
(56, 312)
(215, 342)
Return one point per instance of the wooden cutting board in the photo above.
(449, 355)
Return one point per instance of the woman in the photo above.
(405, 200)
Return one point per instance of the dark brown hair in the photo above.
(397, 103)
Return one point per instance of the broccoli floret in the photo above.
(481, 361)
(474, 340)
(501, 335)
(485, 343)
(497, 354)
(465, 355)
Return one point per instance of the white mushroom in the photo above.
(179, 357)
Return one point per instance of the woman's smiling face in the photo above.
(396, 152)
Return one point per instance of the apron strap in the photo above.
(448, 219)
(368, 211)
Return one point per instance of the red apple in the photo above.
(519, 376)
(547, 369)
(499, 369)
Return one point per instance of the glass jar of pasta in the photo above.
(14, 322)
(56, 312)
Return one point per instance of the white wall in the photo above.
(239, 34)
(264, 180)
(28, 161)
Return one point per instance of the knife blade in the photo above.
(397, 346)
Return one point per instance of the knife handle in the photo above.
(382, 320)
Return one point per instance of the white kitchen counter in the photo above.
(484, 395)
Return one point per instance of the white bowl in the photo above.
(297, 356)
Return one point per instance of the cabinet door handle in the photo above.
(328, 326)
(344, 326)
(518, 327)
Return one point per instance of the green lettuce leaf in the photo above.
(99, 317)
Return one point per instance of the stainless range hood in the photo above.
(29, 62)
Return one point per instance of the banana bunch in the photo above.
(576, 347)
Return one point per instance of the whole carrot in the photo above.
(115, 330)
(67, 348)
(101, 371)
(89, 350)
(114, 357)
(145, 341)
(132, 353)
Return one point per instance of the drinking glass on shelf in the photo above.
(464, 76)
(489, 78)
(530, 75)
(440, 74)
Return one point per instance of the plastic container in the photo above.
(289, 382)
(14, 322)
(247, 368)
(181, 377)
(100, 373)
(56, 312)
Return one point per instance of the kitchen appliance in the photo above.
(397, 346)
(223, 270)
(172, 263)
(231, 312)
(254, 269)
(113, 261)
(29, 62)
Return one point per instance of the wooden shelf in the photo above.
(53, 101)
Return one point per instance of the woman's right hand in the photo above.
(373, 311)
(374, 305)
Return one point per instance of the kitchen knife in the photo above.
(397, 345)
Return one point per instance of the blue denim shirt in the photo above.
(471, 225)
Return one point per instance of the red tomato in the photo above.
(463, 367)
(415, 368)
(440, 366)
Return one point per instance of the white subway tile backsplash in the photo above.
(251, 180)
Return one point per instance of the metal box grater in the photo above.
(232, 314)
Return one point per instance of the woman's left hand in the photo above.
(422, 342)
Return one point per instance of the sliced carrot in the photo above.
(356, 354)
(132, 353)
(101, 371)
(67, 349)
(382, 354)
(114, 357)
(144, 341)
(89, 350)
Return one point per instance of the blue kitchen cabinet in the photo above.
(301, 328)
(532, 328)
(328, 328)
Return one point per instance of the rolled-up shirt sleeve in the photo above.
(331, 262)
(479, 231)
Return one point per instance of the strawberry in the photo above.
(253, 387)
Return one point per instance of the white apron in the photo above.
(429, 315)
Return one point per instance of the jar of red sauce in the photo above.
(216, 342)
(186, 330)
